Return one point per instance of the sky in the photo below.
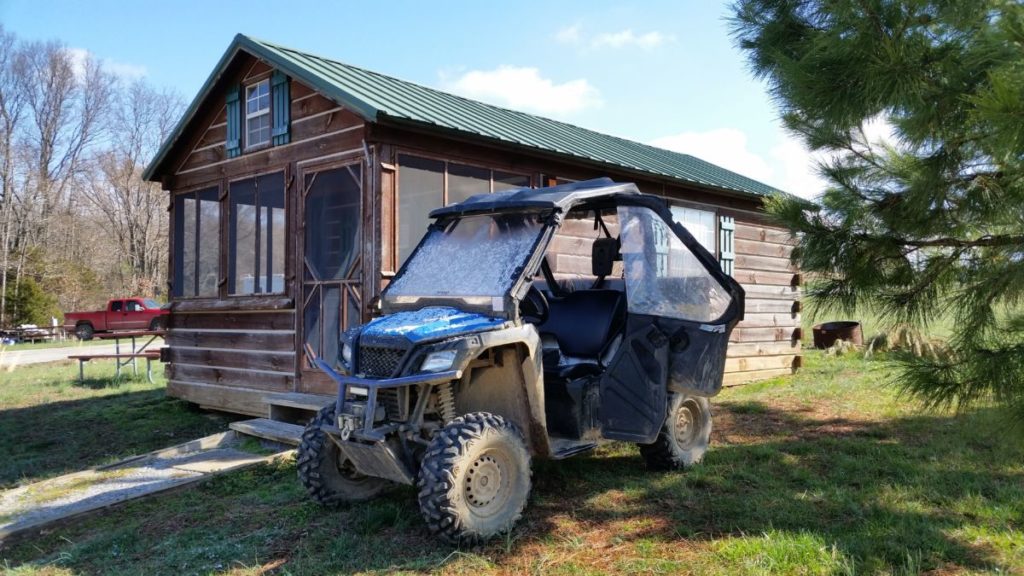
(665, 73)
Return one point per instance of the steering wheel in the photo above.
(534, 307)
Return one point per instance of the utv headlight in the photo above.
(438, 361)
(346, 354)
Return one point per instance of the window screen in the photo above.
(425, 184)
(465, 181)
(332, 222)
(196, 243)
(421, 184)
(257, 235)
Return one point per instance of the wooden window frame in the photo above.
(246, 115)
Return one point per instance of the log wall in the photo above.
(767, 342)
(230, 360)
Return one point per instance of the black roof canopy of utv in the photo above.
(562, 198)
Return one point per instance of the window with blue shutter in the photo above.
(282, 107)
(233, 143)
(727, 248)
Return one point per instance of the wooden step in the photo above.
(311, 402)
(270, 430)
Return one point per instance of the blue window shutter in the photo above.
(233, 143)
(727, 249)
(281, 113)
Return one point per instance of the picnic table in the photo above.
(121, 359)
(30, 333)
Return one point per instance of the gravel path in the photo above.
(32, 506)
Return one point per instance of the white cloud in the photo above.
(523, 88)
(627, 37)
(794, 167)
(725, 147)
(573, 35)
(789, 166)
(125, 70)
(569, 34)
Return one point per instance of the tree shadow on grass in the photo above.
(58, 437)
(878, 492)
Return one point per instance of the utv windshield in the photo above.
(468, 257)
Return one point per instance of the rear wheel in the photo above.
(326, 477)
(84, 331)
(684, 437)
(475, 478)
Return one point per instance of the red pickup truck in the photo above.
(120, 314)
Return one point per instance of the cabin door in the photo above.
(331, 256)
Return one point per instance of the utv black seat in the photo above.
(583, 324)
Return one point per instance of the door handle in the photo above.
(713, 328)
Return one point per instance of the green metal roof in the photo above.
(380, 98)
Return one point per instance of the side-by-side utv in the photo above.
(487, 354)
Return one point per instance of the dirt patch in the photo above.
(748, 423)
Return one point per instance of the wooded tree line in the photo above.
(77, 222)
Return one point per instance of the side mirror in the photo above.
(603, 256)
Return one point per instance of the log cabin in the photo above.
(298, 184)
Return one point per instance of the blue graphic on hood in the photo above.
(431, 323)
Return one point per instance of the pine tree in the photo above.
(930, 225)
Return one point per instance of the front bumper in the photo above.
(373, 386)
(369, 448)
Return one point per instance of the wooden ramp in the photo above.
(270, 430)
(27, 509)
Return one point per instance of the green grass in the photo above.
(825, 472)
(51, 424)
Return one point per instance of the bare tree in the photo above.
(12, 103)
(65, 97)
(135, 210)
(75, 213)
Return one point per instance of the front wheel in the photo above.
(475, 478)
(684, 437)
(84, 331)
(324, 475)
(157, 324)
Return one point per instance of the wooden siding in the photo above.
(767, 342)
(253, 351)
